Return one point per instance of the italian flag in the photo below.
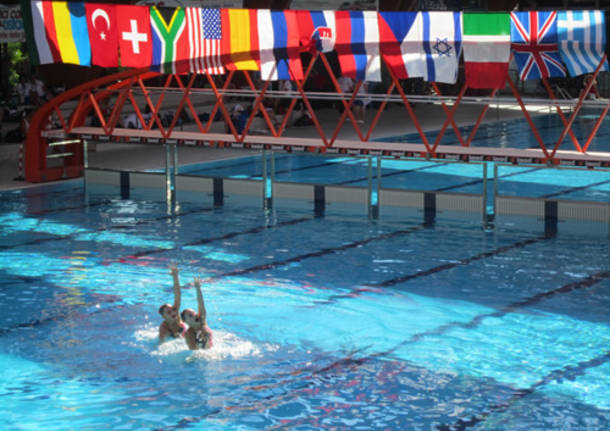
(486, 49)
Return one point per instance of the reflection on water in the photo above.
(319, 323)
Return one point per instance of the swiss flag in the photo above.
(135, 41)
(103, 35)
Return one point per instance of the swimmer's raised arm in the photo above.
(177, 293)
(200, 303)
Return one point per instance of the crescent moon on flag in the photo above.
(100, 13)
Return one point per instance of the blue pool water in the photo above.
(518, 134)
(535, 182)
(526, 181)
(330, 322)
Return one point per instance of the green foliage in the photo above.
(18, 62)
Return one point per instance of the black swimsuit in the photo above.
(179, 334)
(203, 339)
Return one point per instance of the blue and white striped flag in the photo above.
(441, 44)
(582, 40)
(429, 44)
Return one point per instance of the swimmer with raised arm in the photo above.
(172, 325)
(199, 334)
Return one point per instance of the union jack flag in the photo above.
(534, 42)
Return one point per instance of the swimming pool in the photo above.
(332, 321)
(516, 133)
(577, 184)
(526, 181)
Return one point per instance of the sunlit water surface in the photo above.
(328, 322)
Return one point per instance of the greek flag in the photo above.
(582, 40)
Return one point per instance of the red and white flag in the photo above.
(204, 34)
(101, 22)
(135, 40)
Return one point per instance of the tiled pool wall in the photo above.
(550, 215)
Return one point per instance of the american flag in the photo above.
(534, 43)
(204, 32)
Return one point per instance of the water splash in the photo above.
(226, 345)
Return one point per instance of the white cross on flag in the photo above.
(135, 40)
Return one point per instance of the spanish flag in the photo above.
(239, 44)
(56, 32)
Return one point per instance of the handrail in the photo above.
(36, 145)
(567, 101)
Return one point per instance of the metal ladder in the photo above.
(61, 144)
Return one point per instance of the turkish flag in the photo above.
(135, 41)
(103, 35)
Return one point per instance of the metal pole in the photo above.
(264, 154)
(485, 194)
(370, 186)
(175, 159)
(495, 187)
(85, 167)
(168, 175)
(272, 168)
(377, 207)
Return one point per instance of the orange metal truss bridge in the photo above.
(64, 117)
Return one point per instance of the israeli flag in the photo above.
(582, 40)
(441, 46)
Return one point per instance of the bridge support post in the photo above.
(373, 191)
(495, 190)
(175, 161)
(488, 216)
(268, 180)
(85, 168)
(170, 178)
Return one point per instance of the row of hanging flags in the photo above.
(413, 44)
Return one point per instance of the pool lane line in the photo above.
(255, 159)
(12, 196)
(468, 128)
(302, 168)
(189, 421)
(477, 181)
(391, 282)
(327, 164)
(59, 210)
(583, 283)
(253, 230)
(561, 192)
(573, 189)
(390, 174)
(569, 372)
(461, 262)
(110, 299)
(105, 228)
(318, 253)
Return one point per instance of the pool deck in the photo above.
(394, 122)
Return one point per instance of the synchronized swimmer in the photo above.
(197, 334)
